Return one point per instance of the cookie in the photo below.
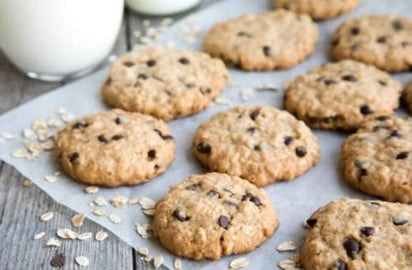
(340, 95)
(407, 96)
(384, 41)
(258, 143)
(165, 83)
(115, 148)
(354, 234)
(275, 40)
(318, 9)
(213, 215)
(378, 158)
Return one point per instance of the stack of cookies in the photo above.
(245, 148)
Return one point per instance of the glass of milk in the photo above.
(54, 40)
(161, 7)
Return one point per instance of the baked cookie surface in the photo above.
(318, 9)
(384, 41)
(340, 95)
(258, 143)
(378, 158)
(274, 40)
(165, 83)
(115, 148)
(213, 215)
(353, 234)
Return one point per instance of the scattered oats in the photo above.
(149, 212)
(39, 124)
(267, 87)
(287, 265)
(158, 260)
(85, 236)
(8, 136)
(246, 94)
(100, 201)
(100, 212)
(133, 201)
(146, 23)
(82, 260)
(27, 183)
(46, 216)
(54, 123)
(47, 145)
(51, 178)
(101, 235)
(221, 100)
(147, 258)
(21, 153)
(53, 242)
(147, 203)
(39, 235)
(177, 264)
(143, 230)
(239, 263)
(115, 219)
(119, 201)
(286, 246)
(29, 134)
(68, 117)
(91, 189)
(77, 220)
(143, 251)
(1, 140)
(65, 233)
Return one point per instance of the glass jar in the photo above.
(161, 7)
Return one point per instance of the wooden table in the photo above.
(21, 207)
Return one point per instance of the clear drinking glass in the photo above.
(161, 7)
(54, 40)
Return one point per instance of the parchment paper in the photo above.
(294, 200)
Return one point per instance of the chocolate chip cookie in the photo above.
(165, 83)
(354, 234)
(340, 95)
(318, 9)
(275, 40)
(407, 96)
(378, 158)
(381, 40)
(115, 148)
(258, 143)
(213, 215)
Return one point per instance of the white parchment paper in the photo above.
(294, 200)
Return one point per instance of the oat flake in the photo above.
(77, 220)
(91, 189)
(27, 183)
(143, 251)
(239, 263)
(99, 212)
(286, 246)
(85, 236)
(53, 242)
(158, 260)
(82, 260)
(51, 178)
(101, 235)
(147, 203)
(119, 201)
(65, 233)
(100, 201)
(115, 219)
(46, 216)
(39, 235)
(177, 264)
(287, 265)
(133, 201)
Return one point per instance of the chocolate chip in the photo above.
(288, 140)
(117, 137)
(266, 51)
(365, 110)
(341, 265)
(406, 44)
(402, 155)
(184, 61)
(205, 90)
(367, 231)
(244, 34)
(397, 25)
(349, 78)
(128, 63)
(255, 200)
(118, 120)
(399, 222)
(352, 247)
(383, 83)
(382, 118)
(354, 31)
(164, 137)
(142, 76)
(257, 148)
(213, 193)
(394, 134)
(329, 82)
(73, 157)
(193, 187)
(381, 39)
(151, 154)
(375, 204)
(311, 222)
(179, 216)
(204, 148)
(335, 42)
(251, 130)
(301, 151)
(224, 222)
(151, 63)
(102, 138)
(377, 128)
(230, 203)
(79, 125)
(58, 260)
(156, 167)
(253, 115)
(229, 191)
(108, 81)
(190, 85)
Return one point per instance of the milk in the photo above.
(161, 7)
(57, 38)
